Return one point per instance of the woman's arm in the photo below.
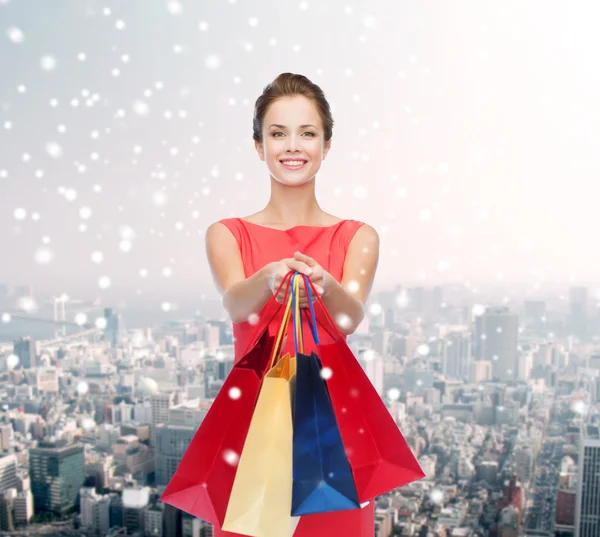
(244, 296)
(346, 301)
(241, 296)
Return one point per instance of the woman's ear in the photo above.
(326, 148)
(259, 149)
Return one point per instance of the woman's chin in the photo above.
(287, 181)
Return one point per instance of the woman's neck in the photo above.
(291, 206)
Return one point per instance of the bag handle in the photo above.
(298, 332)
(268, 313)
(297, 317)
(312, 322)
(317, 298)
(284, 323)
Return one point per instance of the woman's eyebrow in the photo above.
(284, 127)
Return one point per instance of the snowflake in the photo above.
(423, 349)
(326, 373)
(15, 34)
(48, 63)
(212, 61)
(174, 7)
(393, 394)
(235, 393)
(231, 457)
(20, 214)
(54, 149)
(43, 256)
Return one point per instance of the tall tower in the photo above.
(495, 340)
(115, 327)
(456, 355)
(587, 505)
(578, 303)
(24, 348)
(57, 474)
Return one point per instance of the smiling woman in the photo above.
(293, 145)
(249, 256)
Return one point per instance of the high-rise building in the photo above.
(161, 403)
(174, 436)
(57, 473)
(456, 355)
(495, 339)
(587, 510)
(23, 507)
(566, 500)
(8, 472)
(6, 435)
(211, 335)
(216, 368)
(171, 442)
(381, 341)
(115, 327)
(578, 312)
(24, 348)
(135, 501)
(7, 522)
(153, 520)
(190, 526)
(372, 363)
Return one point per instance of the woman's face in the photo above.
(292, 129)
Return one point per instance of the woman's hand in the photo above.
(318, 274)
(278, 271)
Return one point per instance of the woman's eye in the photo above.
(312, 134)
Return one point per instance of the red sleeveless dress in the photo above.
(260, 245)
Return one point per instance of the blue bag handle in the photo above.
(312, 321)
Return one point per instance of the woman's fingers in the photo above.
(304, 258)
(302, 294)
(298, 266)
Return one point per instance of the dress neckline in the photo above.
(293, 227)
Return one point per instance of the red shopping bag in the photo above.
(379, 456)
(204, 478)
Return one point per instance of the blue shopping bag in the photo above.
(322, 477)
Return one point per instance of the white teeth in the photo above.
(293, 163)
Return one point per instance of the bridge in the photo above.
(43, 320)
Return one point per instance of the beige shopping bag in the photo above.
(260, 500)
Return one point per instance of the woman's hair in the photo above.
(289, 85)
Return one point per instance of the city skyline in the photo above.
(464, 133)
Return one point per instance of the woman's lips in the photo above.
(293, 168)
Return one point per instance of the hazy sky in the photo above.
(465, 132)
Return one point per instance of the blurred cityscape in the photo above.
(498, 399)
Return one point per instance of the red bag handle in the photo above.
(264, 325)
(317, 298)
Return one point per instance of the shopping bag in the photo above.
(202, 482)
(259, 504)
(379, 456)
(323, 480)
